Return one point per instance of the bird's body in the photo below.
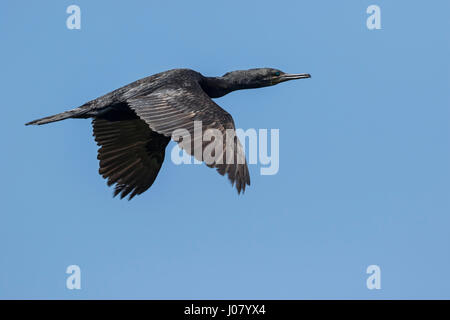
(133, 124)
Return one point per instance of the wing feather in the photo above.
(130, 154)
(168, 109)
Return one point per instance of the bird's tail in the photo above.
(74, 113)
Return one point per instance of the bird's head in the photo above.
(261, 77)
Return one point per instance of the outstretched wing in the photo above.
(170, 108)
(130, 153)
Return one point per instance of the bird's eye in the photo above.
(277, 73)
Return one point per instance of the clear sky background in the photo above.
(364, 153)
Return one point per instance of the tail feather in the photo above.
(74, 113)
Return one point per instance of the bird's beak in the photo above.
(293, 76)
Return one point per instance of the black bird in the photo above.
(133, 124)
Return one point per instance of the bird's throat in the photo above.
(216, 87)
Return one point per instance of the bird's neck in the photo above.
(217, 87)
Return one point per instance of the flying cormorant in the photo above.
(133, 124)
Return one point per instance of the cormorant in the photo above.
(133, 124)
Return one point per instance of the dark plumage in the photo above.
(133, 124)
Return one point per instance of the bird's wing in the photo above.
(170, 108)
(130, 154)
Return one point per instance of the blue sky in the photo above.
(364, 153)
